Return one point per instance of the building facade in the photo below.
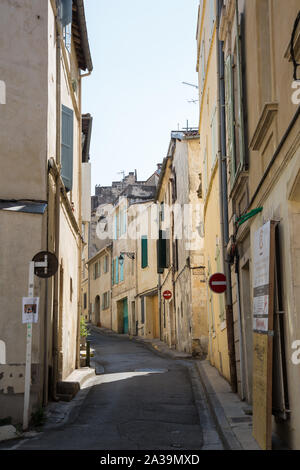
(207, 67)
(41, 191)
(263, 146)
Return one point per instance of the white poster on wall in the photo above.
(30, 310)
(261, 278)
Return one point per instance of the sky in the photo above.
(142, 51)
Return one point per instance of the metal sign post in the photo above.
(28, 352)
(32, 266)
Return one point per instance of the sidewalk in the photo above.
(233, 417)
(57, 413)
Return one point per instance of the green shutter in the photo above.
(144, 251)
(67, 129)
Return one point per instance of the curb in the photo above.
(223, 426)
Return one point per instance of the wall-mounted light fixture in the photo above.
(128, 254)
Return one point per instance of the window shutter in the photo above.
(65, 12)
(113, 271)
(175, 254)
(212, 16)
(116, 227)
(122, 271)
(67, 147)
(143, 309)
(230, 115)
(117, 270)
(213, 138)
(205, 173)
(144, 252)
(240, 96)
(124, 221)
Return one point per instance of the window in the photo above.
(71, 289)
(175, 254)
(67, 126)
(123, 221)
(84, 301)
(205, 176)
(162, 211)
(105, 301)
(142, 309)
(65, 14)
(122, 271)
(97, 269)
(105, 267)
(117, 271)
(144, 242)
(163, 252)
(214, 142)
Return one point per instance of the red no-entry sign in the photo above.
(218, 283)
(167, 295)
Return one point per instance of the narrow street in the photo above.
(142, 401)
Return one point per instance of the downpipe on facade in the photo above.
(223, 198)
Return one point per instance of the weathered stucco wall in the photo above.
(21, 237)
(23, 120)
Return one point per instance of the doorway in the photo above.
(97, 311)
(125, 316)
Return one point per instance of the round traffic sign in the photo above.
(218, 283)
(52, 264)
(167, 295)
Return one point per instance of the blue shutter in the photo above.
(67, 147)
(122, 271)
(66, 12)
(117, 270)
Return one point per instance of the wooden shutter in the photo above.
(214, 142)
(117, 270)
(144, 251)
(122, 271)
(240, 116)
(229, 103)
(65, 12)
(67, 125)
(116, 227)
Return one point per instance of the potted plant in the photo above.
(84, 332)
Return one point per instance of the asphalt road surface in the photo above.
(143, 401)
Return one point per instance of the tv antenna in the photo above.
(190, 84)
(122, 173)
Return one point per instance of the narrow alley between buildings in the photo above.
(141, 401)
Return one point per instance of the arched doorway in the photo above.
(97, 310)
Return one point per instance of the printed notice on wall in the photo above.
(30, 312)
(261, 278)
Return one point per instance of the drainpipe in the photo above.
(57, 207)
(223, 196)
(79, 298)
